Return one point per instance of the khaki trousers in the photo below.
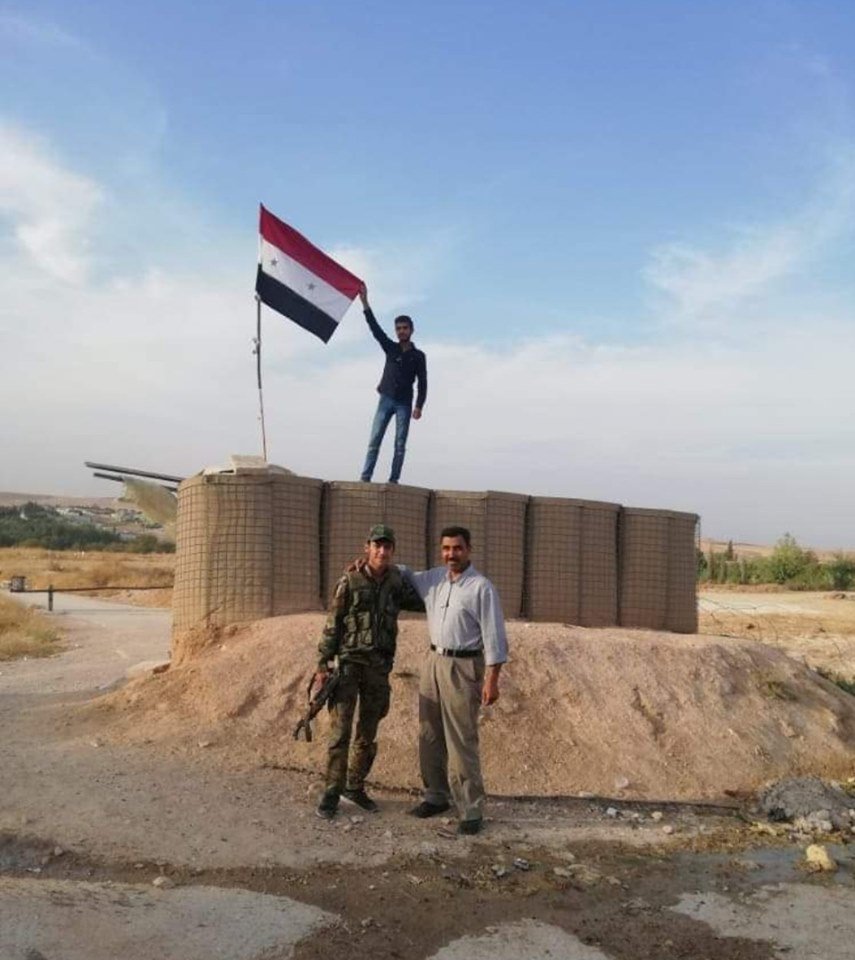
(449, 701)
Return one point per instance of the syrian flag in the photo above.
(298, 280)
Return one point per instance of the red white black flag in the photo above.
(300, 281)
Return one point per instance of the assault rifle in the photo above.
(324, 696)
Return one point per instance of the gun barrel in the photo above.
(118, 479)
(133, 472)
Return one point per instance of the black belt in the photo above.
(456, 653)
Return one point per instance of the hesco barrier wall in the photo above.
(256, 543)
(245, 545)
(351, 509)
(571, 561)
(657, 563)
(497, 524)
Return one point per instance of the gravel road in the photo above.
(103, 640)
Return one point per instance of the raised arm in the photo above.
(385, 342)
(421, 580)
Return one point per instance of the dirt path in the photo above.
(102, 640)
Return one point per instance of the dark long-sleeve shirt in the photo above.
(402, 367)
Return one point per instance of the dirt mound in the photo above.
(636, 713)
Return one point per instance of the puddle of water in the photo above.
(774, 865)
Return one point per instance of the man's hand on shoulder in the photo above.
(417, 413)
(357, 565)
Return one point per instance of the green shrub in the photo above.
(789, 565)
(788, 560)
(841, 571)
(814, 577)
(34, 525)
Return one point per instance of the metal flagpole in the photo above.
(257, 351)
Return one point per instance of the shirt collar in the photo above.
(463, 576)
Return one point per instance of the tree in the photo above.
(788, 559)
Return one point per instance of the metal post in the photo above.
(257, 352)
(50, 597)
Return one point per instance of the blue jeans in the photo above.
(386, 409)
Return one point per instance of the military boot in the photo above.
(328, 807)
(361, 799)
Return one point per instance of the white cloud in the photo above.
(155, 369)
(29, 30)
(50, 207)
(158, 373)
(397, 276)
(700, 285)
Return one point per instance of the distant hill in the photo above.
(749, 551)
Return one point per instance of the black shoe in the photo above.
(361, 799)
(470, 827)
(426, 809)
(328, 807)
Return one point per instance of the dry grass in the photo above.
(25, 633)
(101, 569)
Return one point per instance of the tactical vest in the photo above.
(371, 620)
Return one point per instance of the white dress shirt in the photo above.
(462, 614)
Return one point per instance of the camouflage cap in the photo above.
(381, 532)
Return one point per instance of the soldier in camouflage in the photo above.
(361, 631)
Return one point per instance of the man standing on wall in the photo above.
(468, 646)
(404, 364)
(361, 631)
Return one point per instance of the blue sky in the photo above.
(625, 231)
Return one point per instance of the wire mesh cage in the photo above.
(571, 561)
(259, 543)
(351, 509)
(658, 569)
(246, 547)
(496, 521)
(296, 507)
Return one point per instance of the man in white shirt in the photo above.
(468, 646)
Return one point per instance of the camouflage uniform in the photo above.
(361, 630)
